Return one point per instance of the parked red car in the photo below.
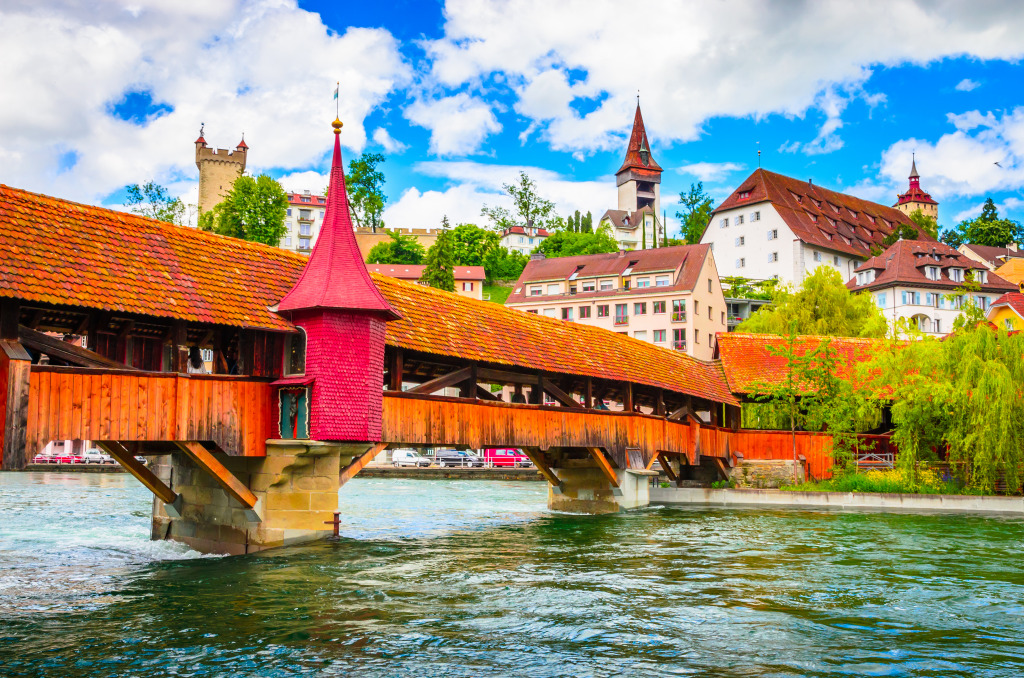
(505, 456)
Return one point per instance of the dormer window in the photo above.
(295, 353)
(982, 276)
(932, 272)
(956, 274)
(744, 195)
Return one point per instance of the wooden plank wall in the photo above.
(96, 404)
(14, 391)
(433, 420)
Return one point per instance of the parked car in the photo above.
(408, 458)
(44, 459)
(506, 457)
(457, 458)
(68, 459)
(96, 456)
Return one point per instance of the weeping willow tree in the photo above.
(964, 393)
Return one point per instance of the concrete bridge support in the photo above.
(587, 481)
(296, 487)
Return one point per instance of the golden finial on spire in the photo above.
(337, 125)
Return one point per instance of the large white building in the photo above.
(912, 278)
(303, 219)
(522, 239)
(774, 226)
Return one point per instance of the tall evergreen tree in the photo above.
(440, 263)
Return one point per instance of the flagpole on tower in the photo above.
(337, 105)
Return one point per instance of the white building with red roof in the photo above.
(522, 239)
(670, 296)
(303, 220)
(774, 226)
(912, 278)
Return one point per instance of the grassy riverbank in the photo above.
(891, 482)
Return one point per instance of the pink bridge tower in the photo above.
(344, 316)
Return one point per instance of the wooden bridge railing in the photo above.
(70, 403)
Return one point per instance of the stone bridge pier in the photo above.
(587, 480)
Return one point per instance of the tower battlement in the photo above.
(218, 169)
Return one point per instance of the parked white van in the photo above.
(408, 458)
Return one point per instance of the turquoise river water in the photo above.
(477, 578)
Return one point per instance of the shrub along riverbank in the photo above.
(896, 481)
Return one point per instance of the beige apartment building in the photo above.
(669, 296)
(469, 280)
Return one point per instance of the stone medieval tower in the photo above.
(639, 178)
(915, 198)
(218, 169)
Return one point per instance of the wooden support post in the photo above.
(602, 462)
(485, 394)
(124, 457)
(627, 397)
(10, 312)
(179, 347)
(558, 394)
(659, 403)
(444, 381)
(232, 485)
(15, 373)
(588, 394)
(541, 462)
(663, 460)
(720, 465)
(537, 391)
(36, 318)
(468, 388)
(359, 463)
(396, 369)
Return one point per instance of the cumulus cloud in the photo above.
(458, 124)
(967, 85)
(711, 171)
(384, 139)
(116, 96)
(472, 185)
(573, 69)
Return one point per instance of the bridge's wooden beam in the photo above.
(359, 463)
(720, 466)
(541, 462)
(484, 394)
(606, 467)
(681, 412)
(663, 460)
(36, 318)
(487, 374)
(126, 329)
(396, 369)
(659, 403)
(444, 381)
(588, 393)
(627, 397)
(142, 474)
(232, 485)
(66, 351)
(558, 394)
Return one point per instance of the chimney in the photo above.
(537, 256)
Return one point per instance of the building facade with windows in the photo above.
(992, 257)
(522, 239)
(469, 280)
(303, 219)
(669, 296)
(913, 278)
(1007, 312)
(774, 226)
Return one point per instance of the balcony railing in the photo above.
(679, 316)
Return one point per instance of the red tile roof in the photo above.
(995, 256)
(335, 276)
(914, 193)
(905, 261)
(313, 200)
(638, 140)
(685, 261)
(819, 216)
(58, 252)
(448, 324)
(415, 271)
(520, 230)
(748, 363)
(626, 219)
(1012, 300)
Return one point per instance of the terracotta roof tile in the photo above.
(905, 261)
(995, 256)
(638, 140)
(415, 271)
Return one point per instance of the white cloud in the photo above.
(297, 182)
(711, 171)
(967, 85)
(266, 68)
(458, 124)
(475, 184)
(573, 67)
(384, 139)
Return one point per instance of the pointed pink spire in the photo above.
(335, 276)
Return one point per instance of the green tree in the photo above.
(365, 184)
(471, 244)
(440, 261)
(569, 244)
(587, 223)
(822, 305)
(254, 209)
(400, 249)
(738, 287)
(926, 223)
(154, 201)
(697, 206)
(986, 229)
(531, 210)
(503, 264)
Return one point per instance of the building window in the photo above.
(554, 288)
(641, 335)
(549, 312)
(584, 312)
(773, 234)
(696, 336)
(659, 336)
(304, 214)
(679, 340)
(773, 257)
(723, 317)
(756, 216)
(640, 308)
(711, 339)
(536, 291)
(295, 353)
(521, 240)
(709, 311)
(303, 243)
(982, 302)
(662, 281)
(567, 313)
(679, 310)
(739, 219)
(741, 241)
(643, 282)
(744, 195)
(607, 285)
(467, 287)
(533, 311)
(305, 229)
(956, 274)
(587, 285)
(709, 284)
(286, 241)
(621, 314)
(288, 212)
(724, 223)
(982, 276)
(881, 300)
(659, 307)
(741, 262)
(937, 326)
(1009, 324)
(817, 256)
(305, 198)
(602, 311)
(835, 260)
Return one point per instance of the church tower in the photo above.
(218, 169)
(639, 178)
(915, 198)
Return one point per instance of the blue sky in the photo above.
(463, 94)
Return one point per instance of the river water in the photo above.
(477, 578)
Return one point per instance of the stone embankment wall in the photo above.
(764, 474)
